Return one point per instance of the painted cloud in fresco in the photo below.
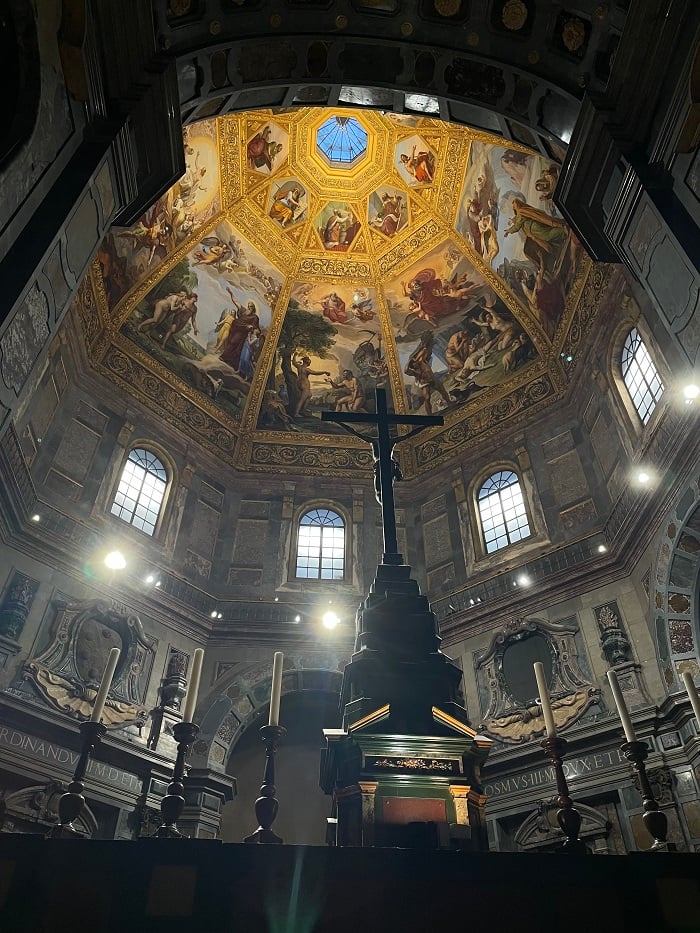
(454, 335)
(330, 356)
(207, 318)
(128, 255)
(507, 213)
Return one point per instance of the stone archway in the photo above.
(676, 592)
(304, 807)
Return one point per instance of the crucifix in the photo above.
(386, 468)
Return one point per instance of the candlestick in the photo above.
(654, 820)
(193, 686)
(568, 817)
(267, 805)
(689, 685)
(101, 698)
(276, 692)
(172, 803)
(543, 690)
(622, 710)
(71, 804)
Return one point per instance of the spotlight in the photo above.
(330, 620)
(691, 392)
(36, 517)
(212, 614)
(219, 615)
(297, 618)
(277, 599)
(602, 549)
(515, 582)
(643, 477)
(524, 580)
(157, 582)
(471, 602)
(115, 560)
(150, 578)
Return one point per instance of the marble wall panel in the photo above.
(567, 478)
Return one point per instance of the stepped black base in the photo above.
(405, 768)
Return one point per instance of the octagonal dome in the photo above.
(277, 279)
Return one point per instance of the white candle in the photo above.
(621, 707)
(689, 685)
(544, 700)
(276, 691)
(101, 698)
(193, 686)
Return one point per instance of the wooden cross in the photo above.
(386, 469)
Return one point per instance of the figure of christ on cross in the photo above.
(386, 468)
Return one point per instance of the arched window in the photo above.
(502, 511)
(321, 545)
(640, 375)
(141, 490)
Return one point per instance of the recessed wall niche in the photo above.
(506, 679)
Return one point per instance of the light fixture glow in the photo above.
(602, 549)
(297, 618)
(643, 477)
(150, 578)
(115, 560)
(36, 517)
(219, 615)
(330, 620)
(212, 614)
(524, 580)
(691, 392)
(157, 582)
(471, 602)
(277, 599)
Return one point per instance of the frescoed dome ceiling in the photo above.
(307, 257)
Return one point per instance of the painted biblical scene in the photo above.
(337, 226)
(415, 161)
(287, 202)
(330, 357)
(128, 255)
(267, 148)
(454, 335)
(206, 320)
(388, 210)
(508, 215)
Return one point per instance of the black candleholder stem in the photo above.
(71, 804)
(568, 817)
(267, 805)
(173, 802)
(654, 819)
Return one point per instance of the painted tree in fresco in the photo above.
(302, 332)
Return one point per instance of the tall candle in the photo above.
(544, 700)
(276, 691)
(621, 707)
(193, 686)
(101, 698)
(689, 685)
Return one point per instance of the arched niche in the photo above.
(676, 593)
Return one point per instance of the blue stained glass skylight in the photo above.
(342, 140)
